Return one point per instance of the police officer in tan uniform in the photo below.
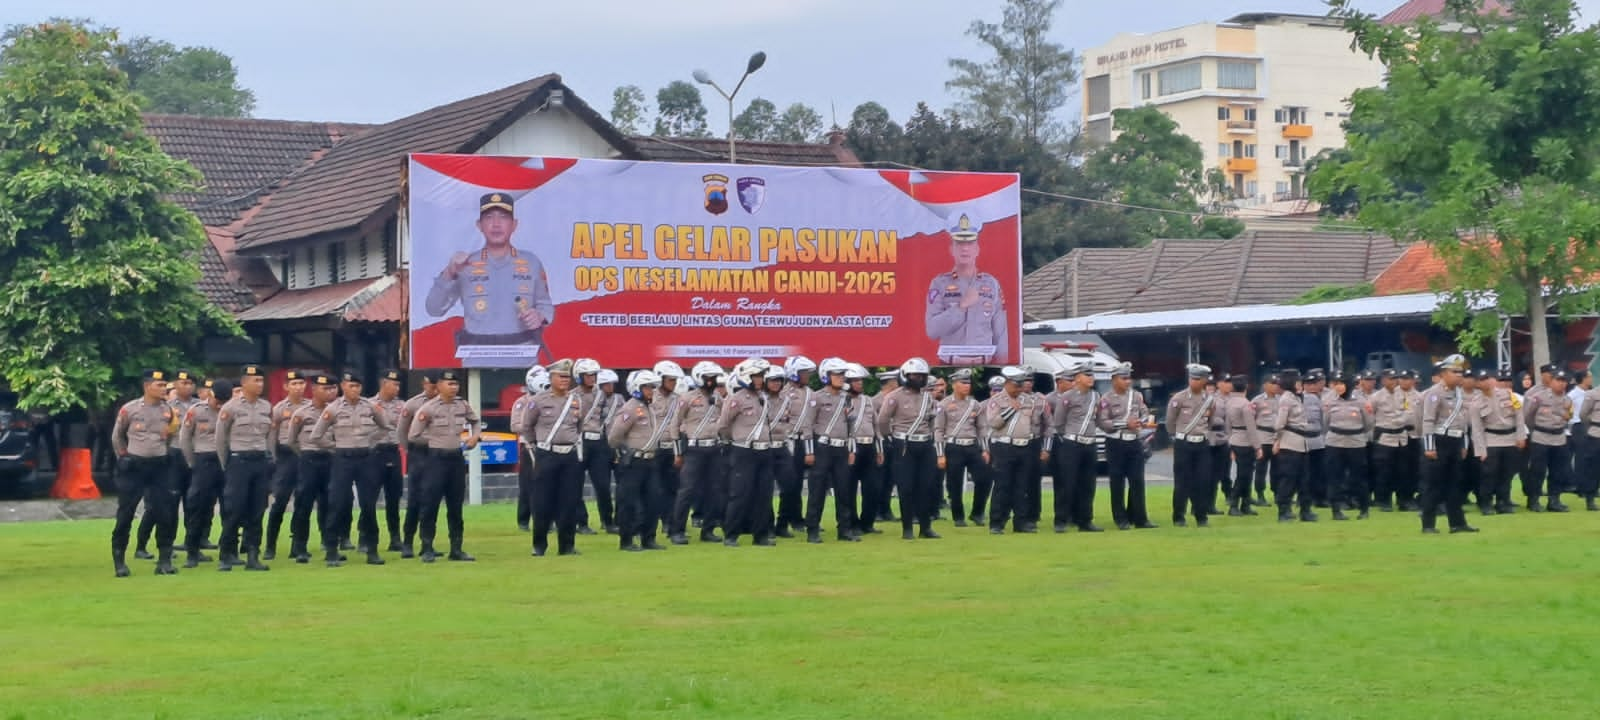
(635, 435)
(503, 290)
(416, 457)
(1505, 435)
(958, 438)
(534, 382)
(597, 456)
(1121, 415)
(966, 307)
(1265, 407)
(1350, 423)
(352, 421)
(1244, 441)
(284, 478)
(439, 424)
(554, 422)
(888, 382)
(744, 424)
(786, 400)
(315, 454)
(824, 428)
(181, 397)
(906, 417)
(866, 454)
(1073, 423)
(246, 434)
(1291, 437)
(701, 477)
(1450, 431)
(386, 453)
(1188, 418)
(1546, 413)
(140, 437)
(1391, 411)
(197, 440)
(1014, 419)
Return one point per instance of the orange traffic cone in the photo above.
(74, 479)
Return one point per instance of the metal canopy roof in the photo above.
(1372, 308)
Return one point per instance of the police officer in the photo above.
(668, 460)
(315, 453)
(1449, 432)
(1292, 435)
(701, 477)
(743, 424)
(1391, 412)
(245, 434)
(286, 464)
(1014, 420)
(197, 440)
(1121, 415)
(554, 422)
(866, 458)
(596, 454)
(353, 420)
(534, 382)
(959, 440)
(636, 434)
(906, 417)
(1188, 419)
(824, 428)
(1074, 424)
(386, 450)
(1030, 504)
(966, 307)
(888, 382)
(140, 437)
(791, 477)
(1405, 486)
(438, 424)
(1265, 407)
(1546, 413)
(416, 458)
(1244, 441)
(503, 290)
(1505, 435)
(1588, 429)
(1217, 438)
(1350, 423)
(181, 398)
(1313, 397)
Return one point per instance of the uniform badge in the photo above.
(933, 296)
(716, 191)
(952, 288)
(752, 193)
(481, 305)
(477, 289)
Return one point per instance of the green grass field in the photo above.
(1247, 619)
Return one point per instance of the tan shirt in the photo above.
(282, 413)
(1075, 415)
(391, 408)
(244, 426)
(697, 416)
(199, 432)
(407, 412)
(1391, 413)
(639, 426)
(143, 429)
(1012, 419)
(743, 420)
(785, 412)
(591, 403)
(519, 416)
(906, 412)
(1503, 424)
(1349, 422)
(439, 423)
(827, 414)
(352, 424)
(1239, 415)
(1117, 410)
(864, 428)
(1448, 412)
(552, 419)
(1290, 427)
(1547, 414)
(1189, 415)
(302, 430)
(957, 419)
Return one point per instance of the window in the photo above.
(1224, 114)
(1099, 92)
(1181, 78)
(1250, 151)
(1251, 188)
(1250, 114)
(1283, 187)
(1236, 75)
(336, 266)
(1144, 85)
(311, 268)
(1280, 151)
(1223, 150)
(362, 249)
(1279, 116)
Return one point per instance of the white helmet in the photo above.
(703, 368)
(855, 371)
(746, 372)
(775, 373)
(668, 369)
(914, 366)
(585, 366)
(606, 376)
(831, 365)
(796, 365)
(641, 378)
(539, 384)
(535, 373)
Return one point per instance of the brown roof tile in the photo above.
(219, 284)
(336, 299)
(360, 178)
(1414, 10)
(680, 149)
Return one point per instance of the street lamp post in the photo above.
(704, 78)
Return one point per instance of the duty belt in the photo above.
(1341, 431)
(1127, 435)
(1556, 431)
(919, 437)
(593, 436)
(557, 449)
(1193, 438)
(1081, 439)
(963, 442)
(1391, 431)
(1500, 431)
(834, 442)
(1018, 442)
(703, 443)
(1301, 433)
(1454, 432)
(249, 454)
(644, 454)
(1266, 429)
(752, 445)
(667, 446)
(866, 440)
(352, 452)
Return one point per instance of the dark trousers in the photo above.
(597, 468)
(1074, 480)
(1316, 477)
(1008, 466)
(959, 462)
(285, 480)
(316, 467)
(525, 473)
(1586, 473)
(749, 493)
(1245, 468)
(1495, 485)
(179, 469)
(884, 499)
(1033, 487)
(1288, 480)
(1347, 477)
(1387, 464)
(790, 480)
(1264, 470)
(205, 488)
(349, 468)
(830, 470)
(1552, 461)
(915, 468)
(148, 480)
(363, 467)
(1125, 468)
(638, 485)
(664, 490)
(416, 458)
(867, 474)
(244, 498)
(1408, 474)
(702, 483)
(1444, 481)
(1191, 479)
(444, 478)
(557, 492)
(1221, 461)
(386, 462)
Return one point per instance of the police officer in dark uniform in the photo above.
(140, 437)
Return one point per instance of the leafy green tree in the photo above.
(1028, 78)
(98, 271)
(628, 108)
(799, 123)
(757, 121)
(1485, 144)
(680, 112)
(873, 135)
(1149, 164)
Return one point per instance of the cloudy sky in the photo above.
(377, 60)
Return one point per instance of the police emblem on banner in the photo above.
(752, 193)
(716, 193)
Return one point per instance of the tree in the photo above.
(757, 121)
(680, 111)
(1149, 164)
(1485, 144)
(799, 123)
(873, 134)
(169, 79)
(628, 109)
(1338, 198)
(98, 271)
(1028, 79)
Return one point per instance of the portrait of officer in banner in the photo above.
(966, 306)
(503, 290)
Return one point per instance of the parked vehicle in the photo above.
(19, 458)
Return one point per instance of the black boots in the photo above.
(119, 563)
(428, 555)
(814, 537)
(164, 562)
(193, 561)
(406, 553)
(253, 561)
(456, 553)
(373, 558)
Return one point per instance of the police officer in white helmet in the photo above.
(906, 418)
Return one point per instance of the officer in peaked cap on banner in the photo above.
(503, 290)
(966, 307)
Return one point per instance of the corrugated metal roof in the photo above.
(319, 301)
(1392, 306)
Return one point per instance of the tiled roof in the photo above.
(1411, 273)
(218, 282)
(242, 159)
(1256, 267)
(678, 149)
(360, 178)
(340, 299)
(1413, 10)
(388, 305)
